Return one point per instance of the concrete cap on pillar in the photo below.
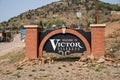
(31, 26)
(97, 25)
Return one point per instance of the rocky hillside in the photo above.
(63, 12)
(118, 4)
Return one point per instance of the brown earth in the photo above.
(60, 71)
(112, 27)
(112, 34)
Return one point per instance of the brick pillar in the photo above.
(32, 32)
(98, 39)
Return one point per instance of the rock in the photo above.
(101, 60)
(52, 61)
(42, 61)
(118, 64)
(31, 62)
(109, 59)
(86, 65)
(108, 63)
(91, 57)
(83, 59)
(49, 60)
(111, 50)
(115, 65)
(76, 62)
(82, 63)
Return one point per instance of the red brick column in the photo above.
(98, 39)
(31, 41)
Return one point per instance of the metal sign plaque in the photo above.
(65, 44)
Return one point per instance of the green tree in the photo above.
(41, 24)
(108, 6)
(0, 28)
(55, 22)
(21, 27)
(73, 26)
(14, 28)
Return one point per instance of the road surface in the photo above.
(16, 45)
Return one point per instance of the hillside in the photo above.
(118, 4)
(63, 12)
(112, 34)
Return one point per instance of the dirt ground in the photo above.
(60, 71)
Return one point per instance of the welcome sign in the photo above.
(65, 41)
(65, 44)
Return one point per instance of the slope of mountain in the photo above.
(118, 4)
(63, 12)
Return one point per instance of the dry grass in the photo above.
(13, 57)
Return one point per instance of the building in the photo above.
(6, 36)
(1, 35)
(23, 33)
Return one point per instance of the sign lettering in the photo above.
(64, 44)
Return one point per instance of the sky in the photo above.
(111, 1)
(12, 8)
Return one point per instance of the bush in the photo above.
(55, 22)
(108, 6)
(73, 26)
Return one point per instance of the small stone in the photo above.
(84, 59)
(76, 62)
(48, 58)
(111, 49)
(81, 63)
(108, 63)
(49, 61)
(52, 61)
(118, 64)
(86, 65)
(115, 65)
(25, 59)
(42, 61)
(109, 59)
(91, 57)
(101, 60)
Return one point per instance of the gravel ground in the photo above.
(60, 71)
(6, 47)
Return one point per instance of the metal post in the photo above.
(96, 12)
(78, 15)
(79, 23)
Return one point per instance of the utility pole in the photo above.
(78, 16)
(96, 12)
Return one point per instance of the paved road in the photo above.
(6, 47)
